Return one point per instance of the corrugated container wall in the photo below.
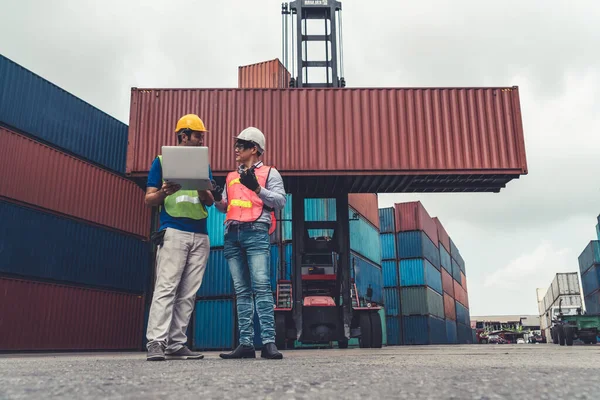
(387, 220)
(364, 238)
(447, 283)
(44, 177)
(420, 330)
(388, 246)
(565, 284)
(41, 245)
(413, 131)
(417, 244)
(41, 109)
(445, 260)
(390, 273)
(589, 256)
(591, 279)
(421, 301)
(449, 307)
(216, 227)
(442, 234)
(214, 324)
(44, 316)
(394, 330)
(392, 301)
(592, 303)
(367, 206)
(413, 217)
(264, 75)
(451, 333)
(567, 301)
(420, 272)
(217, 279)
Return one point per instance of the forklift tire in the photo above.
(376, 331)
(364, 340)
(561, 336)
(280, 331)
(569, 335)
(554, 336)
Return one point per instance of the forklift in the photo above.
(320, 304)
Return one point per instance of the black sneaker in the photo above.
(184, 354)
(241, 351)
(270, 352)
(155, 352)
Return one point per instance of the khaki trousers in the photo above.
(180, 265)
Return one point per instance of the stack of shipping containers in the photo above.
(589, 268)
(74, 270)
(565, 288)
(425, 297)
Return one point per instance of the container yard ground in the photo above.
(424, 372)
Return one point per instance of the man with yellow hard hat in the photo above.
(182, 254)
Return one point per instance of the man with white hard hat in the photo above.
(251, 194)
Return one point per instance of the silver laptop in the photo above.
(186, 166)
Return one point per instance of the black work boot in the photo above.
(242, 351)
(270, 352)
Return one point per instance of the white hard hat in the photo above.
(254, 135)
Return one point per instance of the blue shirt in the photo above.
(167, 221)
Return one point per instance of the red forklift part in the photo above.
(329, 277)
(319, 301)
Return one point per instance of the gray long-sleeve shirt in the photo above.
(273, 196)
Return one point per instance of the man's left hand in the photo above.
(248, 179)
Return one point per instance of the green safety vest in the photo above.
(184, 204)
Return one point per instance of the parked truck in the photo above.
(570, 324)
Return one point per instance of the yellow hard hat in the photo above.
(192, 122)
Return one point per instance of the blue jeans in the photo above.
(247, 250)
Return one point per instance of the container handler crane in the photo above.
(320, 304)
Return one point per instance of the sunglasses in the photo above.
(243, 145)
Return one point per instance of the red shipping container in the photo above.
(460, 294)
(44, 316)
(463, 280)
(449, 308)
(413, 217)
(47, 178)
(264, 75)
(442, 234)
(447, 283)
(367, 205)
(379, 140)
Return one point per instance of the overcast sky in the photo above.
(514, 241)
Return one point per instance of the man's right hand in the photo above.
(168, 188)
(217, 192)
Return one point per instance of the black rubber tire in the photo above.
(569, 336)
(376, 331)
(364, 340)
(561, 336)
(342, 344)
(280, 331)
(554, 333)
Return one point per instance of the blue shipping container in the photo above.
(421, 301)
(216, 227)
(416, 244)
(462, 314)
(314, 210)
(464, 333)
(590, 280)
(217, 278)
(420, 272)
(367, 274)
(390, 273)
(445, 260)
(364, 239)
(456, 272)
(451, 334)
(41, 245)
(388, 246)
(39, 108)
(387, 220)
(214, 325)
(589, 256)
(592, 303)
(598, 230)
(275, 260)
(392, 301)
(423, 330)
(394, 331)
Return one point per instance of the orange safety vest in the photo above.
(244, 205)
